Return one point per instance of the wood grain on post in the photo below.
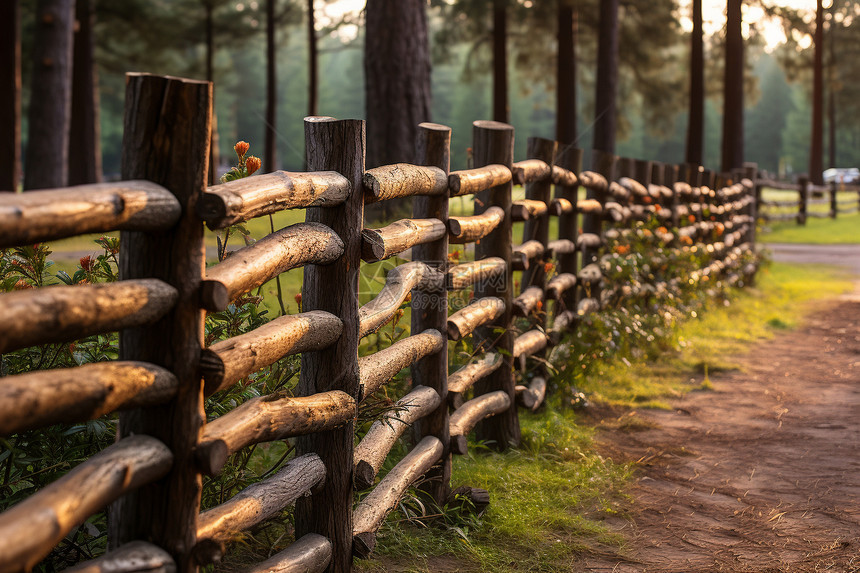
(490, 269)
(371, 510)
(63, 313)
(531, 170)
(133, 557)
(254, 265)
(336, 146)
(470, 229)
(463, 379)
(380, 244)
(399, 283)
(494, 144)
(272, 417)
(467, 416)
(243, 199)
(405, 180)
(569, 158)
(47, 215)
(482, 311)
(166, 140)
(31, 528)
(379, 368)
(228, 361)
(311, 553)
(528, 301)
(481, 178)
(371, 452)
(38, 399)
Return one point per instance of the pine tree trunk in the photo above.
(733, 90)
(607, 78)
(816, 148)
(85, 153)
(696, 125)
(501, 109)
(313, 76)
(50, 96)
(10, 95)
(269, 161)
(565, 123)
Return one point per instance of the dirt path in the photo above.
(760, 474)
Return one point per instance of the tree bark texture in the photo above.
(482, 311)
(399, 283)
(10, 95)
(50, 96)
(379, 368)
(380, 244)
(405, 179)
(133, 557)
(310, 554)
(479, 179)
(85, 152)
(565, 103)
(470, 229)
(816, 147)
(313, 76)
(271, 154)
(464, 419)
(606, 94)
(696, 121)
(490, 269)
(501, 108)
(733, 90)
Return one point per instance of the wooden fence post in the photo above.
(537, 228)
(751, 173)
(166, 140)
(493, 143)
(834, 206)
(802, 199)
(569, 158)
(333, 145)
(430, 310)
(604, 164)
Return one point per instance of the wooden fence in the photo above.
(826, 200)
(151, 476)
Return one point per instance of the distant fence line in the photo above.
(839, 199)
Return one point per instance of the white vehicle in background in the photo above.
(842, 175)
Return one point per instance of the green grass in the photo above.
(845, 229)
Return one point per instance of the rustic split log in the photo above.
(38, 399)
(262, 500)
(529, 171)
(476, 180)
(683, 188)
(525, 209)
(522, 255)
(590, 275)
(589, 206)
(371, 452)
(371, 511)
(470, 229)
(399, 282)
(460, 381)
(251, 266)
(560, 247)
(62, 313)
(380, 244)
(470, 413)
(593, 180)
(230, 360)
(38, 216)
(377, 369)
(532, 396)
(636, 188)
(560, 206)
(481, 311)
(133, 557)
(562, 176)
(559, 284)
(619, 192)
(31, 528)
(614, 212)
(528, 301)
(267, 418)
(309, 554)
(468, 274)
(403, 180)
(588, 240)
(587, 306)
(529, 343)
(560, 325)
(243, 199)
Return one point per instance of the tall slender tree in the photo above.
(270, 152)
(313, 76)
(606, 93)
(696, 124)
(501, 107)
(85, 154)
(816, 147)
(10, 95)
(831, 88)
(566, 103)
(733, 89)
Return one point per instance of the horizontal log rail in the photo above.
(560, 325)
(532, 396)
(560, 284)
(399, 283)
(530, 171)
(31, 528)
(231, 360)
(563, 177)
(63, 313)
(464, 418)
(529, 343)
(523, 255)
(309, 554)
(590, 275)
(592, 180)
(472, 181)
(380, 244)
(251, 266)
(560, 247)
(638, 190)
(38, 216)
(267, 418)
(371, 452)
(403, 180)
(371, 511)
(528, 301)
(588, 241)
(463, 379)
(561, 206)
(41, 398)
(468, 274)
(133, 557)
(376, 370)
(587, 306)
(525, 209)
(618, 192)
(244, 199)
(480, 312)
(470, 229)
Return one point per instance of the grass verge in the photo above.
(845, 229)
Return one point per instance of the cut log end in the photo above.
(214, 296)
(211, 456)
(363, 544)
(459, 445)
(364, 475)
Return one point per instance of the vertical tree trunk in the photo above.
(565, 105)
(269, 162)
(85, 153)
(50, 96)
(831, 92)
(607, 78)
(733, 90)
(501, 109)
(696, 125)
(209, 24)
(313, 79)
(816, 148)
(10, 95)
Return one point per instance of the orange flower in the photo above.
(21, 284)
(691, 218)
(646, 200)
(298, 298)
(539, 306)
(241, 148)
(622, 249)
(547, 267)
(252, 164)
(86, 263)
(662, 230)
(686, 240)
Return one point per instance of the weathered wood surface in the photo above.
(636, 188)
(533, 395)
(560, 325)
(524, 254)
(590, 275)
(273, 417)
(559, 284)
(568, 222)
(399, 282)
(529, 343)
(228, 361)
(479, 179)
(593, 180)
(480, 312)
(536, 228)
(379, 368)
(254, 265)
(404, 180)
(470, 229)
(589, 206)
(529, 171)
(560, 206)
(63, 313)
(587, 306)
(38, 399)
(371, 510)
(31, 528)
(380, 244)
(563, 176)
(243, 199)
(527, 209)
(475, 272)
(311, 553)
(560, 247)
(528, 301)
(371, 452)
(588, 241)
(470, 413)
(463, 379)
(38, 216)
(133, 557)
(262, 500)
